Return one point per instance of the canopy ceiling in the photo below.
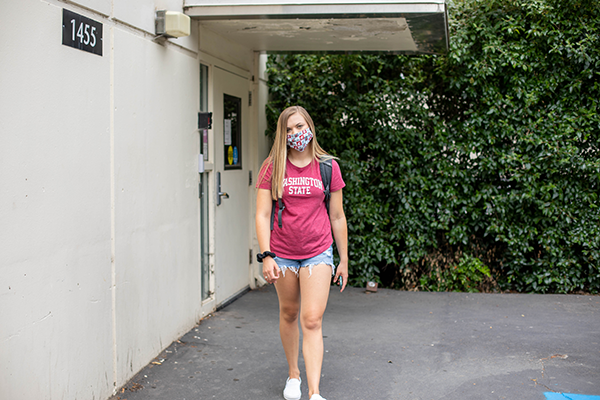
(353, 26)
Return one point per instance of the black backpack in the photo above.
(326, 169)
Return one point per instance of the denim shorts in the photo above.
(325, 257)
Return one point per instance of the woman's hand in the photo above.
(270, 270)
(341, 271)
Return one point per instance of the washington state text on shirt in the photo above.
(302, 184)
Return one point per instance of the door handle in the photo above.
(219, 193)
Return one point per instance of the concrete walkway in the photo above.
(392, 345)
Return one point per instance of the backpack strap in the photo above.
(326, 171)
(281, 207)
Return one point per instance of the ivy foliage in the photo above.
(479, 168)
(466, 276)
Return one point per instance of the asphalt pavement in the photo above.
(392, 345)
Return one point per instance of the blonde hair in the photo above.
(279, 151)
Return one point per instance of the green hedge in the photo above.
(479, 169)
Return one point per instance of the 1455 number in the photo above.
(85, 33)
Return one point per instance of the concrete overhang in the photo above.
(416, 26)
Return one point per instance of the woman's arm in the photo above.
(263, 233)
(340, 234)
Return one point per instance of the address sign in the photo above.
(81, 32)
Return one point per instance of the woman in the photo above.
(302, 244)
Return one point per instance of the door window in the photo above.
(232, 132)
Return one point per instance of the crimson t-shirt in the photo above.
(306, 230)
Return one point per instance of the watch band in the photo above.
(261, 256)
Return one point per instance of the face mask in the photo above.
(300, 140)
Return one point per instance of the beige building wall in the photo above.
(99, 209)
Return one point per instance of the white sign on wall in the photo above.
(227, 132)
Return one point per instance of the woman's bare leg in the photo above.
(314, 288)
(288, 292)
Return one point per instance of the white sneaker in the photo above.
(292, 389)
(316, 397)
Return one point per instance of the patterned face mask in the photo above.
(300, 140)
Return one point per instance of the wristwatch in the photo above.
(261, 256)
